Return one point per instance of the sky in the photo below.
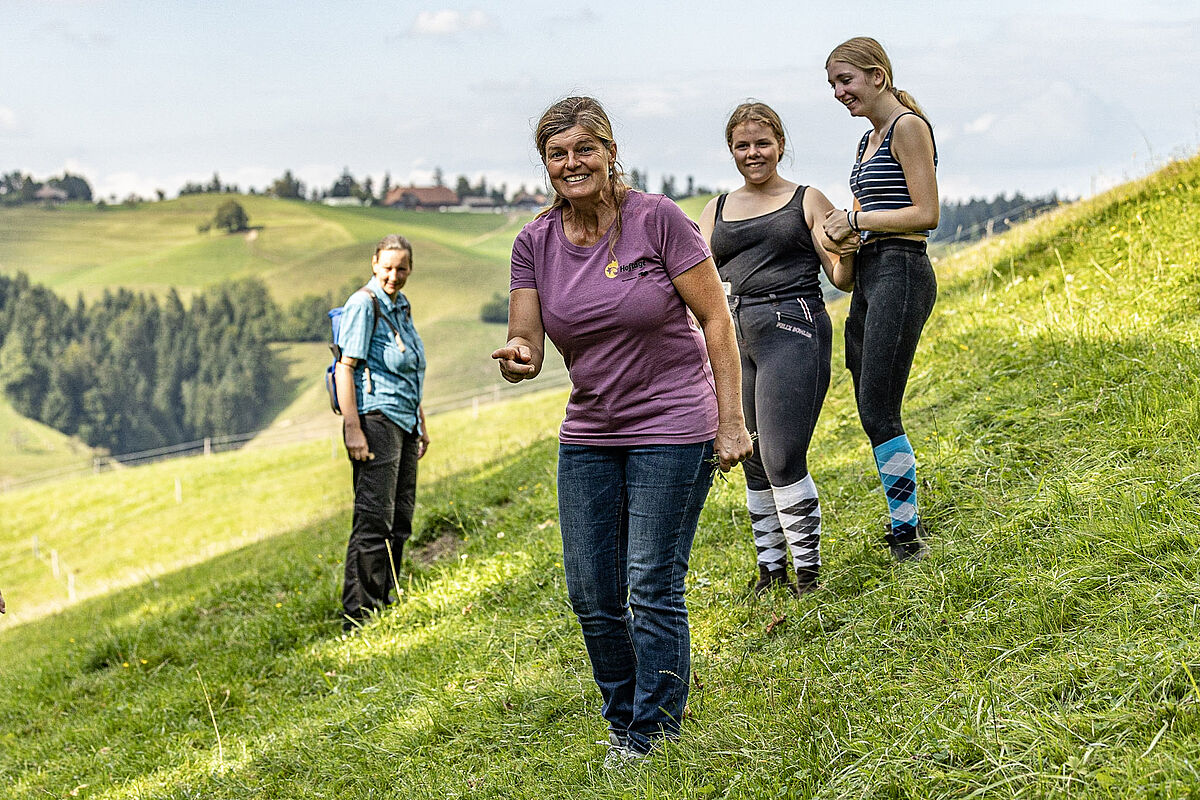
(1034, 96)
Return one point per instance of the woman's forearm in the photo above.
(726, 365)
(347, 399)
(910, 219)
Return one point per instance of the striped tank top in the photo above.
(878, 183)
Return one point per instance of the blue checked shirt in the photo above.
(393, 377)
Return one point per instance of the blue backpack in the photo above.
(335, 322)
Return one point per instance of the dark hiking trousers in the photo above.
(385, 492)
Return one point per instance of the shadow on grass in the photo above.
(259, 631)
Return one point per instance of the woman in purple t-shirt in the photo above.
(610, 275)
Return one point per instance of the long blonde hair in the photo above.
(587, 113)
(867, 54)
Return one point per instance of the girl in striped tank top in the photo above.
(895, 207)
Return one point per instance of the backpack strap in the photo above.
(375, 322)
(379, 313)
(337, 350)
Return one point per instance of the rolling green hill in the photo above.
(1047, 648)
(296, 248)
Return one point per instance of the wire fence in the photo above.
(281, 435)
(1008, 218)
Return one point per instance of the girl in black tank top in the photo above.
(768, 243)
(768, 254)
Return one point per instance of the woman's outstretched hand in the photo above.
(516, 362)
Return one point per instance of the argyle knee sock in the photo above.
(898, 472)
(800, 515)
(768, 535)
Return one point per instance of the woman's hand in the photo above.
(423, 444)
(516, 362)
(837, 227)
(356, 443)
(733, 444)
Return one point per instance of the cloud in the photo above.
(448, 22)
(1056, 126)
(653, 105)
(584, 16)
(980, 124)
(64, 32)
(120, 185)
(8, 120)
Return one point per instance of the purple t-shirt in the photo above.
(637, 359)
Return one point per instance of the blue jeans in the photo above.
(628, 516)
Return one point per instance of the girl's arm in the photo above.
(838, 268)
(423, 442)
(912, 145)
(708, 221)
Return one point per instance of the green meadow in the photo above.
(1047, 648)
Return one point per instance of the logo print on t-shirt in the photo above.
(614, 269)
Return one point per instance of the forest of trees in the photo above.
(968, 220)
(17, 188)
(130, 372)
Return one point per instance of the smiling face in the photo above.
(756, 151)
(577, 163)
(854, 88)
(392, 268)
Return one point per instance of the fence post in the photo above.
(208, 445)
(54, 562)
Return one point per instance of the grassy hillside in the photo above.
(296, 247)
(1048, 648)
(29, 447)
(122, 528)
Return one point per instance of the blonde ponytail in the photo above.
(866, 54)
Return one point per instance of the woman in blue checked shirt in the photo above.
(379, 378)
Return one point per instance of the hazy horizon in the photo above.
(135, 96)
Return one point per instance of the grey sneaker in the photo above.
(620, 754)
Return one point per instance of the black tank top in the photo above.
(769, 254)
